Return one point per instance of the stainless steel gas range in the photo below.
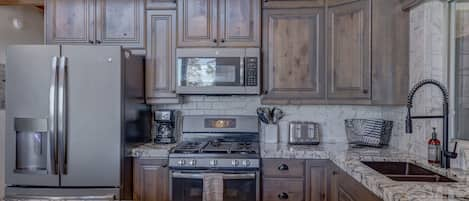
(226, 147)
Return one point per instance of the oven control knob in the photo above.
(181, 162)
(213, 163)
(246, 163)
(192, 162)
(235, 163)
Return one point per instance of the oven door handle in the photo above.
(201, 176)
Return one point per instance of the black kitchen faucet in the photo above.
(446, 155)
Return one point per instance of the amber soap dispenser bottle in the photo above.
(434, 149)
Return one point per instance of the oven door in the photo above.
(239, 186)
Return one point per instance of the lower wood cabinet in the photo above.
(309, 180)
(151, 180)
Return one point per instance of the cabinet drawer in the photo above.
(283, 168)
(292, 3)
(283, 189)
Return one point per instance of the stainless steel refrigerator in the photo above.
(69, 112)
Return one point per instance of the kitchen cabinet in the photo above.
(160, 4)
(218, 23)
(95, 22)
(161, 60)
(151, 180)
(309, 180)
(366, 54)
(293, 60)
(346, 188)
(348, 58)
(292, 3)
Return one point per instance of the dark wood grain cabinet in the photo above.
(310, 180)
(293, 60)
(151, 180)
(218, 23)
(95, 22)
(348, 50)
(352, 67)
(161, 59)
(160, 4)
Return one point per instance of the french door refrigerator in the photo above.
(69, 111)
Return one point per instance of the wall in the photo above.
(331, 117)
(31, 32)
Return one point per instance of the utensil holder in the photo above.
(270, 133)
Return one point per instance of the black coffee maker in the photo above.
(166, 126)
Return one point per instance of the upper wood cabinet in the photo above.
(293, 59)
(348, 47)
(213, 23)
(292, 3)
(70, 21)
(160, 4)
(120, 22)
(94, 22)
(366, 53)
(161, 57)
(151, 180)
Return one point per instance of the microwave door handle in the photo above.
(53, 117)
(242, 71)
(62, 114)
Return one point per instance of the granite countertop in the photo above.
(148, 150)
(348, 159)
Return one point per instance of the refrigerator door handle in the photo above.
(62, 114)
(53, 118)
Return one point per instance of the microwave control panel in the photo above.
(251, 71)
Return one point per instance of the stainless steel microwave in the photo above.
(218, 71)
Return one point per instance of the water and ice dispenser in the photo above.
(31, 145)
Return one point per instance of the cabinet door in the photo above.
(348, 44)
(120, 22)
(151, 180)
(70, 21)
(161, 4)
(278, 189)
(293, 56)
(197, 23)
(346, 188)
(316, 180)
(292, 3)
(239, 23)
(160, 60)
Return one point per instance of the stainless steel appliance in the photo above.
(218, 71)
(223, 145)
(304, 133)
(69, 111)
(166, 126)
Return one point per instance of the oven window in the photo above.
(239, 190)
(187, 189)
(203, 72)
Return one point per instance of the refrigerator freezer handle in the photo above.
(62, 114)
(53, 118)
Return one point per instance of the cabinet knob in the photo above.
(91, 42)
(335, 172)
(283, 196)
(283, 167)
(98, 42)
(266, 92)
(214, 40)
(266, 0)
(365, 91)
(222, 40)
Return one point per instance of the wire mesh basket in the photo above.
(368, 132)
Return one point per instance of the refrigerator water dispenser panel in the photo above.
(31, 145)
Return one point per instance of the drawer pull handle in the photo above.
(283, 196)
(283, 167)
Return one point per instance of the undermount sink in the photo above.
(402, 171)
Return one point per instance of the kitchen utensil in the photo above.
(261, 116)
(277, 115)
(304, 133)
